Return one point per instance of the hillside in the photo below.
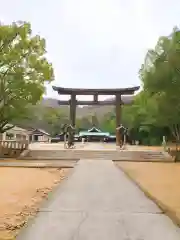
(38, 121)
(85, 110)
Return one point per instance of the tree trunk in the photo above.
(175, 129)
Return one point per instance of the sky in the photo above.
(95, 43)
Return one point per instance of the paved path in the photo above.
(98, 202)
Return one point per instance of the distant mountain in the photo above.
(52, 102)
(85, 110)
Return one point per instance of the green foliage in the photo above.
(23, 71)
(95, 121)
(160, 75)
(84, 123)
(108, 123)
(55, 119)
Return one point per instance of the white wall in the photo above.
(16, 134)
(43, 138)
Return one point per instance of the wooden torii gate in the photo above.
(73, 102)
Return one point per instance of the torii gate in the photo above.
(117, 102)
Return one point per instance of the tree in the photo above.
(160, 75)
(84, 123)
(23, 71)
(108, 122)
(141, 120)
(95, 121)
(54, 118)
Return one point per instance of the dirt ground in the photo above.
(21, 192)
(161, 181)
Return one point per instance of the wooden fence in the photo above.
(12, 148)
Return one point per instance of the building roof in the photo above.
(40, 131)
(100, 134)
(94, 129)
(99, 91)
(112, 136)
(15, 128)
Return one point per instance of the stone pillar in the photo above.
(3, 136)
(73, 110)
(118, 118)
(32, 138)
(95, 98)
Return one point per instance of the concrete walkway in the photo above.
(98, 202)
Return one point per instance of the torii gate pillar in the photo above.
(72, 111)
(118, 119)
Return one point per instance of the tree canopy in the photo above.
(24, 69)
(156, 109)
(54, 119)
(160, 75)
